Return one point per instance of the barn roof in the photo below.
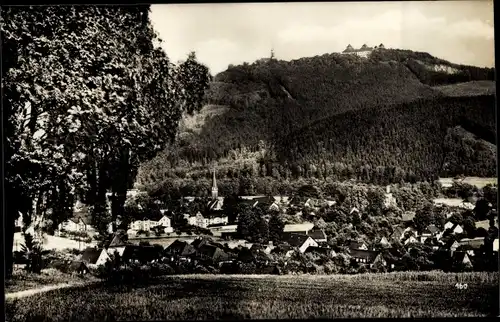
(212, 252)
(117, 241)
(355, 245)
(459, 256)
(90, 255)
(296, 240)
(181, 247)
(76, 265)
(364, 254)
(317, 234)
(198, 242)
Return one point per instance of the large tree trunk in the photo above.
(120, 186)
(100, 212)
(9, 234)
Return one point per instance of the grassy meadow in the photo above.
(22, 281)
(200, 297)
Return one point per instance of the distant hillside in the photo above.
(473, 88)
(349, 99)
(404, 142)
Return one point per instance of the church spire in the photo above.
(214, 187)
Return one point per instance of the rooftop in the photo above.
(90, 255)
(296, 239)
(365, 254)
(306, 226)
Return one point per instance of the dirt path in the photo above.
(33, 291)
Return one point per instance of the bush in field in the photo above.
(247, 268)
(184, 267)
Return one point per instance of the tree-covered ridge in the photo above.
(411, 142)
(281, 96)
(332, 99)
(406, 139)
(434, 71)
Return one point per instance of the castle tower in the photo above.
(214, 188)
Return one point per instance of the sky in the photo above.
(232, 33)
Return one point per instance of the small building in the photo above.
(384, 242)
(282, 200)
(274, 206)
(213, 253)
(364, 51)
(302, 242)
(455, 228)
(485, 224)
(180, 248)
(397, 233)
(318, 235)
(200, 241)
(389, 200)
(94, 257)
(354, 210)
(167, 223)
(321, 250)
(266, 249)
(283, 249)
(18, 224)
(218, 220)
(367, 257)
(451, 246)
(431, 231)
(357, 246)
(117, 245)
(77, 267)
(462, 258)
(73, 225)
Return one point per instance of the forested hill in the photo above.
(421, 139)
(250, 106)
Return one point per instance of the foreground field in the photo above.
(22, 281)
(197, 297)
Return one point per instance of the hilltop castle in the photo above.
(363, 51)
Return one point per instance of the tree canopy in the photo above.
(89, 94)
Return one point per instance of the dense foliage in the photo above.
(378, 120)
(88, 94)
(402, 143)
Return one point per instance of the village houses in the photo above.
(94, 257)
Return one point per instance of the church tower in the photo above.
(214, 188)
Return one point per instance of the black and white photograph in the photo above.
(246, 161)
